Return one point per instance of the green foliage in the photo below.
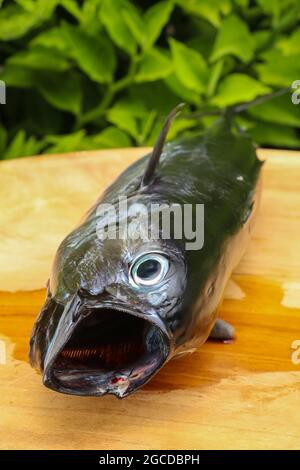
(104, 73)
(236, 88)
(189, 66)
(233, 38)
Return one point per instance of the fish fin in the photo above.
(158, 147)
(222, 331)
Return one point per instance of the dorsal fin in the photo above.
(159, 144)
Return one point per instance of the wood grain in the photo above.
(240, 395)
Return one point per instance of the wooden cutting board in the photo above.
(240, 395)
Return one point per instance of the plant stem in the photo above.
(214, 77)
(112, 90)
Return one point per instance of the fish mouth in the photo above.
(109, 350)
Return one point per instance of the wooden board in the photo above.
(240, 395)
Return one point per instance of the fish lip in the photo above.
(49, 379)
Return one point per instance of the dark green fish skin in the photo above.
(91, 303)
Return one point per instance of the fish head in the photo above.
(111, 309)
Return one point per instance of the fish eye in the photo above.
(148, 270)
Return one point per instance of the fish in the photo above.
(118, 309)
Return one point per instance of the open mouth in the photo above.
(110, 351)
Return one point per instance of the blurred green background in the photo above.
(103, 73)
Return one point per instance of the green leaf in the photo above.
(53, 38)
(89, 18)
(94, 55)
(155, 19)
(214, 76)
(33, 147)
(134, 21)
(16, 146)
(154, 65)
(72, 7)
(211, 10)
(270, 8)
(203, 40)
(152, 137)
(132, 116)
(20, 147)
(146, 126)
(135, 106)
(87, 15)
(116, 25)
(124, 120)
(146, 29)
(179, 125)
(111, 137)
(235, 39)
(19, 77)
(16, 21)
(41, 8)
(242, 3)
(261, 39)
(26, 4)
(49, 73)
(65, 143)
(40, 58)
(154, 95)
(237, 88)
(181, 91)
(276, 9)
(289, 18)
(64, 91)
(279, 110)
(274, 135)
(190, 67)
(279, 70)
(290, 45)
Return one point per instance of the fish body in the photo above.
(108, 325)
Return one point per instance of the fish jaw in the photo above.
(108, 349)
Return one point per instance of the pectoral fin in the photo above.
(222, 331)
